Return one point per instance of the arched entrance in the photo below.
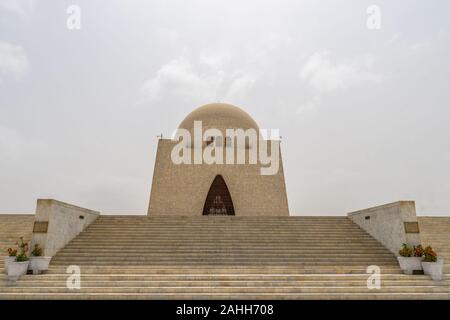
(218, 201)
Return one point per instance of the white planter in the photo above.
(8, 260)
(410, 264)
(434, 269)
(39, 264)
(17, 269)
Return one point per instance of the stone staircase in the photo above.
(435, 231)
(12, 227)
(222, 240)
(225, 257)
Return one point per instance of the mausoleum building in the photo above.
(229, 189)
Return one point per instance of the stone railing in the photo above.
(56, 223)
(391, 224)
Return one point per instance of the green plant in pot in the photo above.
(19, 265)
(410, 259)
(432, 264)
(38, 262)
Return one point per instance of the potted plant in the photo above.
(432, 264)
(19, 266)
(38, 263)
(410, 258)
(12, 253)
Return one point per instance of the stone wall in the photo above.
(391, 224)
(57, 223)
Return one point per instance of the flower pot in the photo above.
(8, 260)
(17, 269)
(410, 264)
(434, 269)
(39, 264)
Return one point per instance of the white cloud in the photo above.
(216, 74)
(240, 83)
(13, 61)
(176, 77)
(207, 78)
(22, 8)
(324, 74)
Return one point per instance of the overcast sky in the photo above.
(364, 113)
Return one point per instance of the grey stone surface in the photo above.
(65, 222)
(386, 223)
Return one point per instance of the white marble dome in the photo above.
(220, 116)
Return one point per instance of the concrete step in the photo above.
(230, 290)
(217, 262)
(228, 243)
(225, 283)
(213, 249)
(230, 269)
(308, 278)
(224, 232)
(162, 252)
(223, 241)
(194, 264)
(220, 296)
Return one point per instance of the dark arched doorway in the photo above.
(218, 201)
